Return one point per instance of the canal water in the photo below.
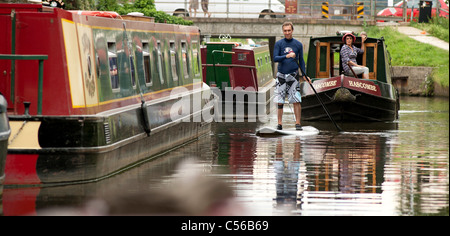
(396, 168)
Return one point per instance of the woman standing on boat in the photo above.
(349, 53)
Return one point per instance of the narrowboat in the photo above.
(242, 78)
(348, 98)
(91, 94)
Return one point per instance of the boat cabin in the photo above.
(324, 59)
(242, 77)
(230, 64)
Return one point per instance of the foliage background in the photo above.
(123, 7)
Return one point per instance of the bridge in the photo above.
(270, 29)
(304, 29)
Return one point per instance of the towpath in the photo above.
(423, 37)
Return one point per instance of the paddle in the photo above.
(318, 97)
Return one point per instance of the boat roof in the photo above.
(237, 45)
(338, 36)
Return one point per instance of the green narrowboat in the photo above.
(241, 76)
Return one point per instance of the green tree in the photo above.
(79, 4)
(147, 7)
(107, 5)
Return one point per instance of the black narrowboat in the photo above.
(349, 98)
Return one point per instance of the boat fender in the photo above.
(3, 104)
(145, 117)
(343, 95)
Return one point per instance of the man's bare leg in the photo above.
(298, 115)
(280, 114)
(297, 112)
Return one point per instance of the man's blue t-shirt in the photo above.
(284, 47)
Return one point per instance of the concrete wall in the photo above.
(415, 81)
(441, 91)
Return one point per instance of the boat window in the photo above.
(370, 59)
(159, 62)
(97, 66)
(196, 59)
(242, 57)
(323, 55)
(173, 61)
(147, 66)
(133, 74)
(113, 73)
(323, 60)
(184, 56)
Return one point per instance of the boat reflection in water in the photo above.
(361, 171)
(175, 184)
(394, 168)
(300, 174)
(350, 170)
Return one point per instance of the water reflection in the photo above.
(149, 176)
(395, 168)
(310, 176)
(286, 168)
(365, 170)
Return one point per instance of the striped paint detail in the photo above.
(325, 10)
(360, 9)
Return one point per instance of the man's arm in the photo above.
(276, 54)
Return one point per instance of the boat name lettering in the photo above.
(358, 84)
(325, 84)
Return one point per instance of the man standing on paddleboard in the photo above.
(288, 52)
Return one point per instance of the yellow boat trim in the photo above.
(135, 30)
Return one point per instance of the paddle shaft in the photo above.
(318, 97)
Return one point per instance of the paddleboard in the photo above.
(307, 130)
